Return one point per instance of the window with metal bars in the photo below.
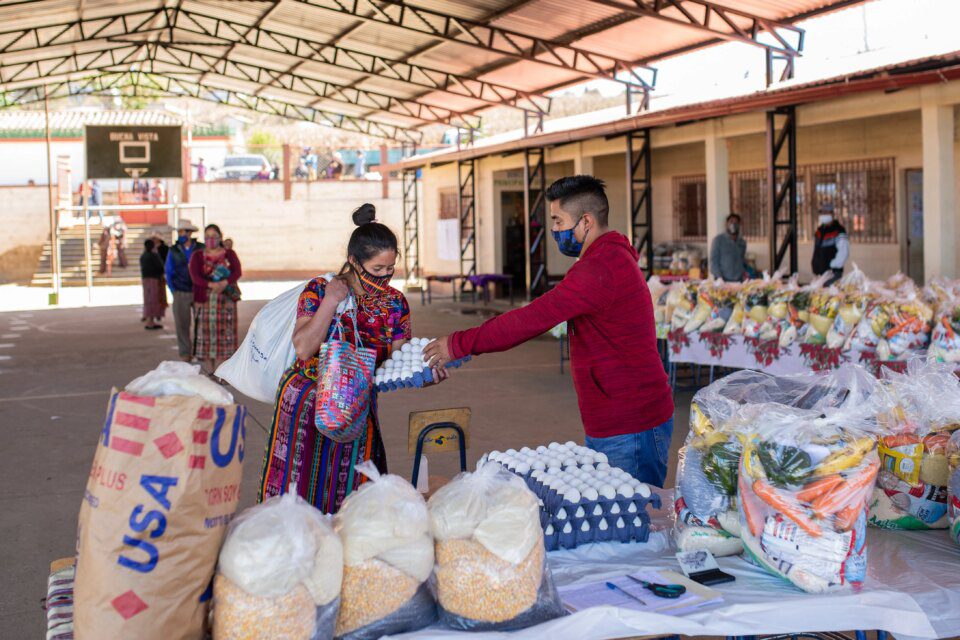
(690, 208)
(448, 205)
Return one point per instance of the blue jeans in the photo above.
(643, 455)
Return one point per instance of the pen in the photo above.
(614, 587)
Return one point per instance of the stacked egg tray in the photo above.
(407, 369)
(582, 498)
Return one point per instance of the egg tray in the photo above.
(419, 379)
(558, 539)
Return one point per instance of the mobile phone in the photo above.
(711, 577)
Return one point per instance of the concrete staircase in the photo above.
(72, 266)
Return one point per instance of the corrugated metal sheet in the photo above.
(588, 25)
(34, 120)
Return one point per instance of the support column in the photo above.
(534, 202)
(939, 206)
(467, 211)
(582, 165)
(782, 187)
(639, 162)
(718, 181)
(287, 169)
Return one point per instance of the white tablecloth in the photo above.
(912, 590)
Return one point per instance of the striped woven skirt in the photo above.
(154, 298)
(216, 328)
(323, 471)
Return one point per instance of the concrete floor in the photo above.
(58, 366)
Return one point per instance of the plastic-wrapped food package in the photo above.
(705, 500)
(945, 337)
(388, 558)
(953, 488)
(279, 575)
(855, 299)
(755, 298)
(491, 572)
(681, 300)
(911, 490)
(803, 489)
(658, 292)
(896, 325)
(822, 313)
(715, 302)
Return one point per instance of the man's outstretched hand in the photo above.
(437, 353)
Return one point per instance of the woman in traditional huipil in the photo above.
(324, 471)
(215, 271)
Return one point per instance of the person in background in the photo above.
(626, 403)
(177, 272)
(201, 171)
(157, 192)
(151, 276)
(96, 199)
(728, 252)
(108, 250)
(323, 471)
(228, 244)
(360, 166)
(84, 193)
(264, 173)
(831, 245)
(215, 271)
(161, 246)
(119, 232)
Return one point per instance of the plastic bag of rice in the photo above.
(279, 575)
(491, 572)
(388, 557)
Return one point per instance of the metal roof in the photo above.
(387, 68)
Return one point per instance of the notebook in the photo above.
(577, 597)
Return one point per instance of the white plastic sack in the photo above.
(267, 349)
(172, 378)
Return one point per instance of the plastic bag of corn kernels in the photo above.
(387, 559)
(491, 572)
(279, 575)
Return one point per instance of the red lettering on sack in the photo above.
(197, 462)
(169, 444)
(147, 401)
(126, 446)
(205, 413)
(200, 437)
(128, 604)
(124, 419)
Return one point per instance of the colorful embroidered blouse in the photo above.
(383, 318)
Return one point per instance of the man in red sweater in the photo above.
(626, 403)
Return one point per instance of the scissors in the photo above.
(661, 590)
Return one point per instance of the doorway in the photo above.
(514, 243)
(913, 179)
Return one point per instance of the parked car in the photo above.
(245, 167)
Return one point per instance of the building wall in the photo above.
(858, 128)
(25, 160)
(307, 233)
(25, 219)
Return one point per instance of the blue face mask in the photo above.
(567, 241)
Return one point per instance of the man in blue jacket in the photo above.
(181, 286)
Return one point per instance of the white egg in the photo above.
(568, 528)
(541, 449)
(406, 348)
(620, 523)
(643, 490)
(603, 466)
(614, 509)
(571, 495)
(591, 494)
(561, 514)
(600, 457)
(549, 530)
(570, 463)
(588, 468)
(523, 468)
(570, 444)
(537, 474)
(511, 452)
(632, 508)
(625, 490)
(525, 450)
(552, 471)
(538, 465)
(598, 510)
(580, 513)
(396, 355)
(637, 522)
(553, 446)
(603, 526)
(554, 463)
(585, 526)
(608, 492)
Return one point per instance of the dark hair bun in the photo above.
(364, 214)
